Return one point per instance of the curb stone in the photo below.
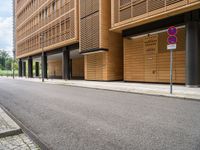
(33, 136)
(12, 136)
(10, 133)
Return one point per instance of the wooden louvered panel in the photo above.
(99, 66)
(164, 59)
(72, 3)
(95, 5)
(180, 60)
(139, 8)
(87, 7)
(89, 27)
(124, 2)
(150, 52)
(125, 10)
(163, 67)
(83, 8)
(83, 35)
(180, 66)
(138, 66)
(171, 4)
(54, 36)
(115, 57)
(102, 65)
(125, 14)
(116, 12)
(72, 25)
(156, 6)
(112, 59)
(89, 37)
(94, 65)
(90, 32)
(95, 30)
(67, 27)
(134, 59)
(181, 43)
(91, 67)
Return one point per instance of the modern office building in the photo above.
(108, 40)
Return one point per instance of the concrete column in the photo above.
(24, 69)
(20, 68)
(44, 65)
(66, 64)
(30, 67)
(37, 69)
(193, 53)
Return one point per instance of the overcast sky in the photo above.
(6, 25)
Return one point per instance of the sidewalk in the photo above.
(179, 91)
(12, 137)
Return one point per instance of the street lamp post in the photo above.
(13, 64)
(42, 44)
(14, 38)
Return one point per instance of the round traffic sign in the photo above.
(172, 40)
(172, 30)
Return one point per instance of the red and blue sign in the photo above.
(172, 39)
(172, 31)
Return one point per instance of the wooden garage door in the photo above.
(147, 59)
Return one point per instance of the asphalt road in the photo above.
(72, 118)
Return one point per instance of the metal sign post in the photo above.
(172, 40)
(171, 71)
(42, 44)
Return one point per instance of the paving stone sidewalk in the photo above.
(12, 137)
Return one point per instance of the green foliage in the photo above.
(6, 64)
(4, 59)
(8, 73)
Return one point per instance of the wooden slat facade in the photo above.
(146, 59)
(95, 34)
(97, 25)
(57, 20)
(131, 13)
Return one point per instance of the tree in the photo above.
(5, 60)
(8, 63)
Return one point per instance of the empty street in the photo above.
(73, 118)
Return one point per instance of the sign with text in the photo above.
(172, 39)
(171, 46)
